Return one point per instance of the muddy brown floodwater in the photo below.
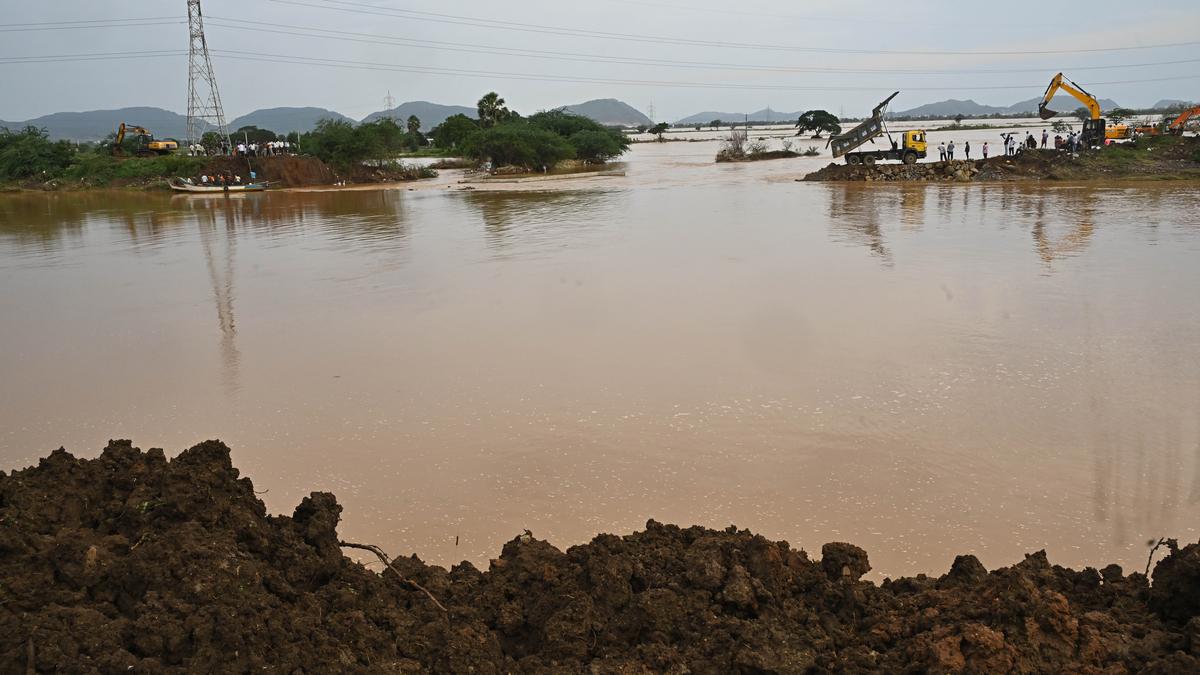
(922, 370)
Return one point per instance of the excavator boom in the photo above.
(1176, 127)
(1060, 82)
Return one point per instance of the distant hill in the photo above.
(1063, 103)
(430, 114)
(93, 125)
(1172, 103)
(764, 115)
(610, 112)
(283, 120)
(950, 108)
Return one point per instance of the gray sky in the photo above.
(579, 48)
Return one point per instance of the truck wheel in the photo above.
(910, 158)
(853, 159)
(869, 160)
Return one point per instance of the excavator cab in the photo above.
(1093, 131)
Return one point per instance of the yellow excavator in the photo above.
(147, 146)
(1095, 129)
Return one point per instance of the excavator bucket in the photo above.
(1046, 113)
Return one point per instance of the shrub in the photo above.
(30, 153)
(518, 144)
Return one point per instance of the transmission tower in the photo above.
(204, 101)
(388, 104)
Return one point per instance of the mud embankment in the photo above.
(1161, 158)
(282, 171)
(133, 563)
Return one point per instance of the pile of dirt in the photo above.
(1164, 157)
(289, 171)
(133, 563)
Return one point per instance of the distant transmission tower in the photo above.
(204, 101)
(388, 104)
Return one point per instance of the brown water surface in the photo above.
(922, 370)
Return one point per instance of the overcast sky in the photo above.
(725, 56)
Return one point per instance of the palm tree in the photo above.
(491, 110)
(414, 124)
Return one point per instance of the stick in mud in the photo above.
(387, 561)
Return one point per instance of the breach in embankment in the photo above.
(1149, 158)
(135, 563)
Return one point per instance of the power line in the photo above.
(388, 67)
(366, 65)
(370, 38)
(417, 15)
(59, 23)
(91, 25)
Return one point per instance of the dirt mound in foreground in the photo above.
(134, 563)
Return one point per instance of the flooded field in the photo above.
(923, 370)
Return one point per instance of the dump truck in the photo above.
(912, 145)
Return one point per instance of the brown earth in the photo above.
(285, 171)
(758, 156)
(1158, 158)
(135, 563)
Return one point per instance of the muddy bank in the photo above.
(758, 156)
(134, 563)
(1162, 158)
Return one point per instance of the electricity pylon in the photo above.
(204, 101)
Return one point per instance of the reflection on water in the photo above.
(922, 369)
(220, 272)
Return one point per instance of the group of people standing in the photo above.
(267, 149)
(1073, 142)
(946, 151)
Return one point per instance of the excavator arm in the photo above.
(1060, 82)
(1177, 126)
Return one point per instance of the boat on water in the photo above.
(181, 185)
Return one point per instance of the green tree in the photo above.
(30, 153)
(491, 110)
(818, 121)
(518, 144)
(659, 129)
(453, 131)
(957, 119)
(252, 134)
(715, 124)
(414, 124)
(1082, 113)
(1118, 115)
(597, 147)
(641, 128)
(1060, 127)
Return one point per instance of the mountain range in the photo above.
(283, 120)
(430, 114)
(94, 125)
(610, 112)
(951, 107)
(764, 115)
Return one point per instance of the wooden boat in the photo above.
(180, 185)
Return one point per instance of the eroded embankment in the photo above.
(134, 563)
(1160, 158)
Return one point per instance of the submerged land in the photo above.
(133, 562)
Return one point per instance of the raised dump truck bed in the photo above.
(910, 150)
